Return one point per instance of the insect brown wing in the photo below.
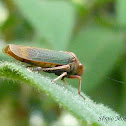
(38, 56)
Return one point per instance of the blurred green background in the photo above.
(94, 30)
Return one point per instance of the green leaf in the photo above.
(86, 110)
(98, 48)
(123, 96)
(120, 10)
(54, 20)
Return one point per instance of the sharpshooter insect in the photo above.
(64, 64)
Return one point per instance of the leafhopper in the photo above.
(62, 63)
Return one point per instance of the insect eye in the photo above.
(80, 69)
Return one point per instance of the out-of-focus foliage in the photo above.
(93, 30)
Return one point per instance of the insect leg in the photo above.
(62, 75)
(63, 80)
(64, 67)
(76, 77)
(37, 69)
